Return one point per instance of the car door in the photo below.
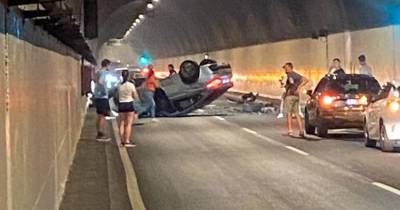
(374, 114)
(313, 103)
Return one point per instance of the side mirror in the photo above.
(309, 93)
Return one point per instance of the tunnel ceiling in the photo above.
(181, 27)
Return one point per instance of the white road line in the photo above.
(134, 195)
(387, 187)
(250, 131)
(220, 118)
(294, 149)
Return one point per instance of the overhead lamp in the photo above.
(150, 6)
(141, 16)
(156, 1)
(137, 21)
(134, 24)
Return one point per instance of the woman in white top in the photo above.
(127, 94)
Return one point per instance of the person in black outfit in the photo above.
(171, 69)
(336, 67)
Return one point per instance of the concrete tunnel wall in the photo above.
(258, 37)
(40, 126)
(258, 67)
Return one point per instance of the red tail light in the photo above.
(215, 84)
(328, 100)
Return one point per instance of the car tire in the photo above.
(309, 128)
(367, 141)
(322, 130)
(189, 72)
(386, 146)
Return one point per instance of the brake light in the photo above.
(328, 100)
(215, 84)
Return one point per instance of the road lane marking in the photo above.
(250, 131)
(134, 195)
(294, 149)
(387, 188)
(220, 118)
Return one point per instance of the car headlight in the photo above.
(110, 80)
(363, 100)
(394, 106)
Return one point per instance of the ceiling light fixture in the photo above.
(150, 6)
(141, 16)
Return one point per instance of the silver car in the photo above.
(382, 120)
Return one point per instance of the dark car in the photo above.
(194, 87)
(339, 101)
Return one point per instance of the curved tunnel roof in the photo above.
(182, 27)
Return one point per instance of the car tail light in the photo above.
(215, 83)
(328, 100)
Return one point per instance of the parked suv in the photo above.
(339, 101)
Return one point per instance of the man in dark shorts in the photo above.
(101, 100)
(294, 83)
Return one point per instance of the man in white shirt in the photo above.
(364, 67)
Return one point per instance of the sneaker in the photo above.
(103, 138)
(280, 115)
(130, 145)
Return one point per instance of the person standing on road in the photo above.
(101, 99)
(336, 67)
(171, 69)
(127, 95)
(294, 83)
(151, 86)
(364, 67)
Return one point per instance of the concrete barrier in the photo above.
(40, 126)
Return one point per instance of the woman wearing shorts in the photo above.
(127, 95)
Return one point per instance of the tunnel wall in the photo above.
(258, 67)
(45, 115)
(3, 165)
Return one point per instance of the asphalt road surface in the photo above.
(242, 161)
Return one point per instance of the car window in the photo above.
(354, 85)
(321, 85)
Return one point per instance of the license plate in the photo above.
(352, 102)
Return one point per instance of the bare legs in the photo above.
(299, 122)
(125, 126)
(100, 123)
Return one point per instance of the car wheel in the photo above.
(309, 128)
(367, 141)
(386, 146)
(322, 130)
(189, 72)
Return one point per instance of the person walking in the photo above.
(151, 86)
(127, 95)
(294, 83)
(364, 67)
(101, 99)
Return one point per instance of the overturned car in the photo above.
(195, 86)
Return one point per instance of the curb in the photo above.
(134, 195)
